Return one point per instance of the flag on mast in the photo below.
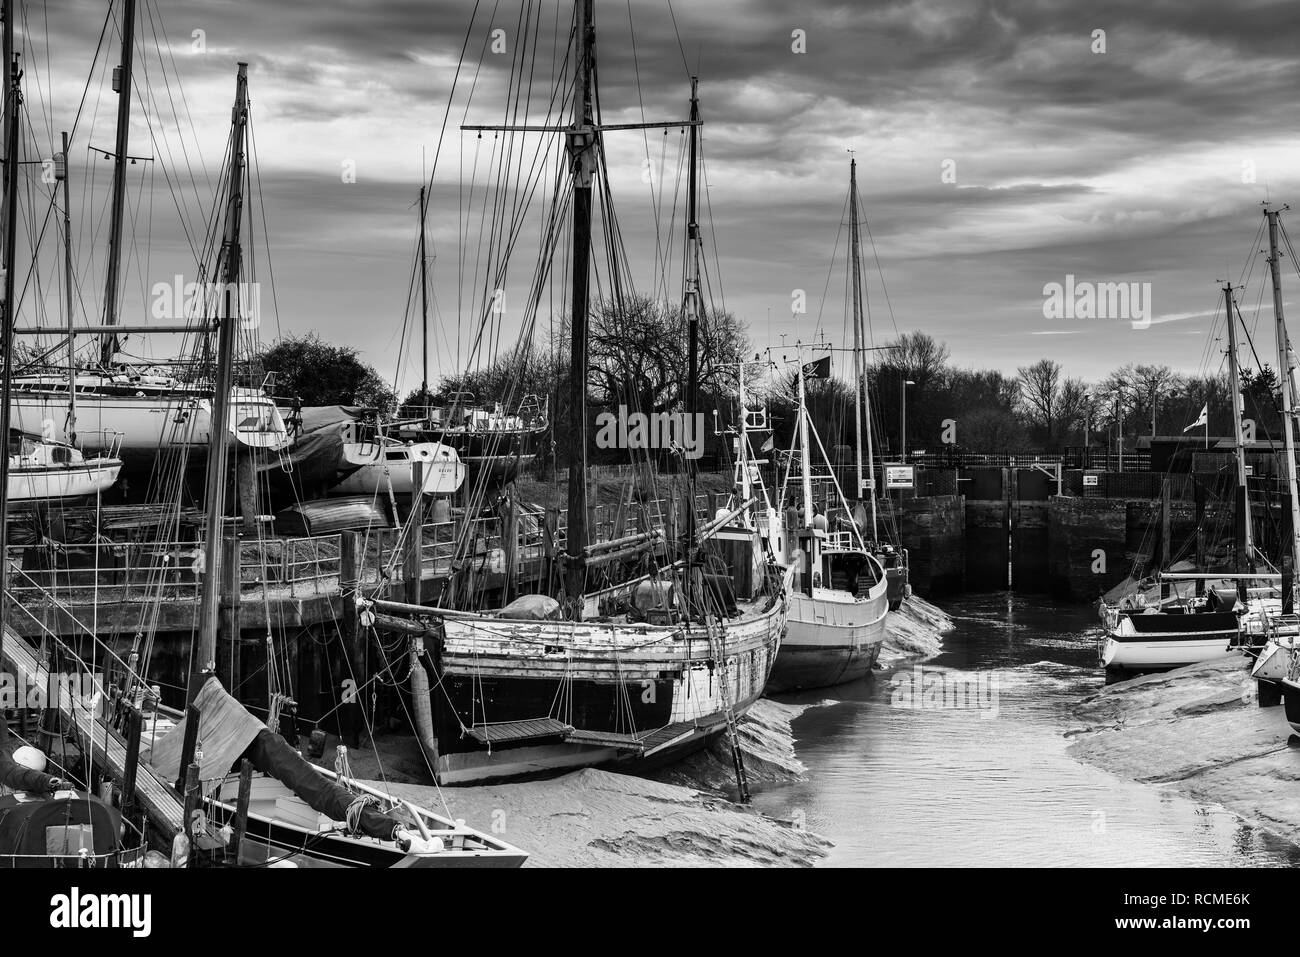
(1202, 419)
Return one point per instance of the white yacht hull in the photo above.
(149, 421)
(71, 481)
(443, 472)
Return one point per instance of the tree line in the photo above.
(637, 357)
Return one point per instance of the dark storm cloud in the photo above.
(1149, 158)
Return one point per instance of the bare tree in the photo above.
(1152, 385)
(1040, 389)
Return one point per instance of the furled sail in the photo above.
(228, 733)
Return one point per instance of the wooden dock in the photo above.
(106, 746)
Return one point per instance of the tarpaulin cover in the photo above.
(532, 608)
(228, 734)
(23, 823)
(316, 453)
(226, 729)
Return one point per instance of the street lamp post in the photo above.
(902, 409)
(1087, 421)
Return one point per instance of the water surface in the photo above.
(978, 775)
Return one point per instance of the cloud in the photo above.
(1146, 162)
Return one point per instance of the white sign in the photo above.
(1090, 480)
(899, 476)
(867, 485)
(1250, 470)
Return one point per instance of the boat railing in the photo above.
(285, 568)
(109, 444)
(302, 565)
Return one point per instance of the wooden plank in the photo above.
(518, 730)
(105, 745)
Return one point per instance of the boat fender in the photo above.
(180, 850)
(411, 843)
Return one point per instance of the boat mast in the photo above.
(122, 78)
(742, 452)
(804, 452)
(1288, 408)
(424, 309)
(219, 440)
(12, 102)
(582, 160)
(1244, 533)
(861, 395)
(694, 300)
(67, 277)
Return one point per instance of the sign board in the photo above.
(900, 476)
(1250, 470)
(1091, 480)
(867, 485)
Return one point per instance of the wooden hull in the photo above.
(515, 699)
(830, 642)
(281, 827)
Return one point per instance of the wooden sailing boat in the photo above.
(302, 814)
(632, 675)
(290, 812)
(840, 599)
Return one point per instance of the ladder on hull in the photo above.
(717, 644)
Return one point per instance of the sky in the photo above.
(1001, 147)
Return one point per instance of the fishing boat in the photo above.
(41, 470)
(840, 597)
(631, 675)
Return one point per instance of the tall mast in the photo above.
(12, 102)
(582, 159)
(805, 453)
(424, 308)
(204, 661)
(1288, 401)
(861, 395)
(67, 278)
(694, 301)
(108, 342)
(7, 48)
(742, 450)
(1245, 534)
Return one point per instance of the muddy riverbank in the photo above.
(682, 816)
(1199, 731)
